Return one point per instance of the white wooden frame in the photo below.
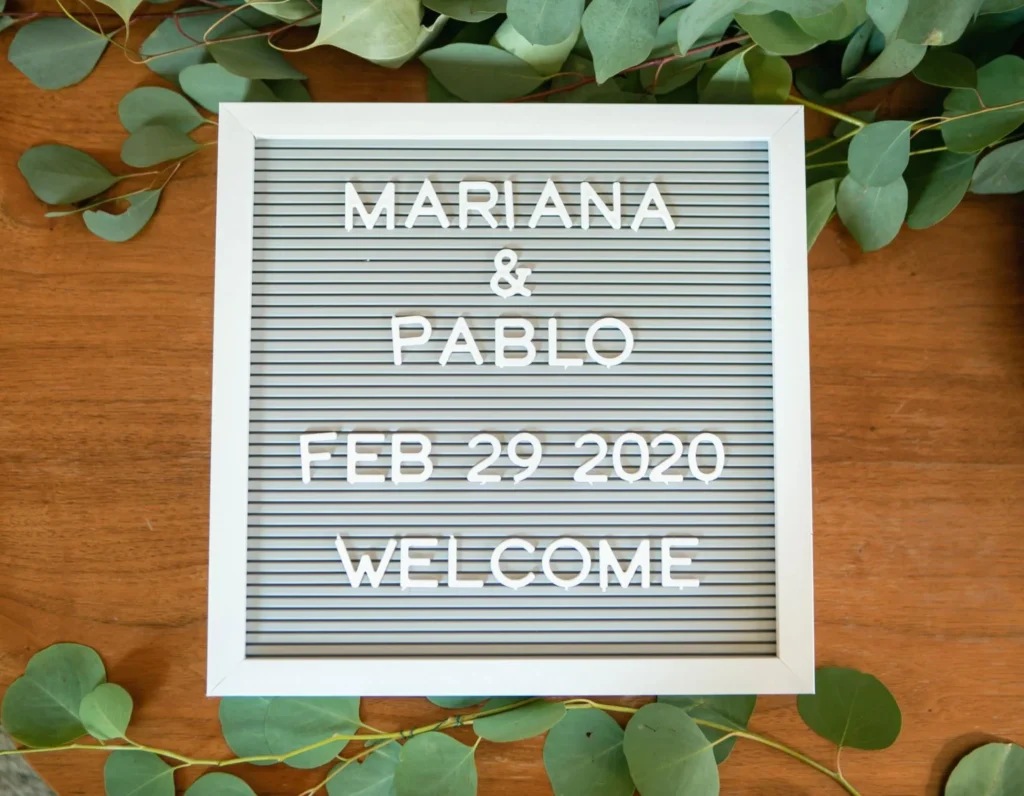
(230, 673)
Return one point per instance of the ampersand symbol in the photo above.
(508, 273)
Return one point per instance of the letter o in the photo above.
(612, 323)
(554, 547)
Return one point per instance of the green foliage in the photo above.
(41, 708)
(456, 703)
(105, 712)
(254, 58)
(879, 154)
(434, 764)
(947, 69)
(851, 708)
(295, 723)
(481, 73)
(729, 711)
(1000, 82)
(545, 59)
(386, 32)
(375, 776)
(211, 84)
(156, 143)
(526, 721)
(467, 10)
(698, 18)
(55, 52)
(243, 724)
(873, 214)
(668, 754)
(1001, 171)
(836, 23)
(220, 784)
(61, 175)
(936, 182)
(546, 21)
(154, 105)
(727, 83)
(777, 33)
(583, 756)
(995, 769)
(620, 33)
(177, 38)
(119, 227)
(129, 773)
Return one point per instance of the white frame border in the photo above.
(230, 673)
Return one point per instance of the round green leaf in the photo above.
(154, 144)
(137, 774)
(583, 756)
(546, 59)
(531, 719)
(211, 84)
(729, 711)
(61, 175)
(220, 784)
(243, 725)
(887, 15)
(55, 52)
(667, 753)
(872, 214)
(880, 152)
(1000, 82)
(835, 24)
(699, 18)
(777, 33)
(546, 21)
(374, 776)
(936, 183)
(383, 31)
(290, 90)
(467, 10)
(480, 72)
(254, 58)
(795, 8)
(620, 33)
(41, 708)
(936, 22)
(119, 227)
(771, 79)
(897, 59)
(169, 50)
(105, 712)
(124, 8)
(1001, 171)
(293, 723)
(435, 764)
(946, 69)
(456, 703)
(726, 81)
(995, 769)
(853, 54)
(851, 708)
(155, 105)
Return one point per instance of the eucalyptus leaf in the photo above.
(438, 93)
(887, 15)
(467, 10)
(936, 22)
(880, 152)
(620, 33)
(137, 774)
(821, 203)
(897, 59)
(119, 227)
(827, 164)
(856, 47)
(697, 19)
(382, 31)
(154, 144)
(728, 83)
(946, 69)
(257, 14)
(777, 33)
(41, 708)
(771, 79)
(435, 764)
(545, 21)
(843, 127)
(851, 708)
(545, 59)
(999, 6)
(583, 756)
(243, 724)
(817, 85)
(873, 215)
(679, 71)
(991, 35)
(729, 710)
(796, 8)
(55, 52)
(220, 784)
(1000, 82)
(211, 84)
(123, 8)
(667, 753)
(412, 47)
(835, 24)
(62, 175)
(289, 90)
(254, 58)
(154, 105)
(480, 72)
(105, 712)
(1001, 170)
(374, 776)
(293, 723)
(531, 719)
(168, 50)
(456, 703)
(936, 183)
(995, 769)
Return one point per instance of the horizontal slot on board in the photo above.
(506, 650)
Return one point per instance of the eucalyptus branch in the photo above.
(338, 769)
(839, 115)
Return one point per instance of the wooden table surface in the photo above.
(918, 400)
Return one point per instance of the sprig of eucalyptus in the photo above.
(668, 747)
(874, 174)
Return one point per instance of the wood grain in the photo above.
(918, 389)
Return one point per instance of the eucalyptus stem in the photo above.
(338, 769)
(814, 106)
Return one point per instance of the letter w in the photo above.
(365, 568)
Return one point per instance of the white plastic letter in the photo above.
(427, 194)
(365, 567)
(553, 358)
(481, 206)
(607, 560)
(354, 457)
(454, 581)
(398, 342)
(385, 205)
(550, 194)
(585, 562)
(467, 346)
(668, 561)
(501, 577)
(510, 207)
(408, 561)
(613, 323)
(588, 196)
(309, 457)
(652, 196)
(420, 457)
(524, 341)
